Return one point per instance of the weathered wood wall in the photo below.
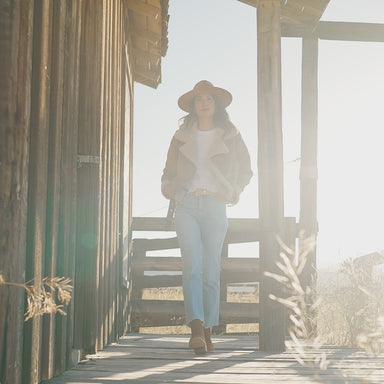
(65, 154)
(16, 23)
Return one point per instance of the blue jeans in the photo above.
(201, 225)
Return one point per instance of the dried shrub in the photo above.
(349, 313)
(48, 295)
(352, 310)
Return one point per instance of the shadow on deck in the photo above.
(153, 359)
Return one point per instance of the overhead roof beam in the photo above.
(152, 75)
(145, 55)
(252, 3)
(330, 30)
(143, 9)
(296, 17)
(344, 31)
(306, 12)
(146, 34)
(314, 5)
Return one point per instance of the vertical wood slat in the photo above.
(118, 51)
(37, 188)
(308, 171)
(126, 187)
(68, 174)
(270, 162)
(53, 179)
(110, 134)
(103, 229)
(108, 151)
(16, 26)
(110, 189)
(87, 250)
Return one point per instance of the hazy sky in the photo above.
(216, 40)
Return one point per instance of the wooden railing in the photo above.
(165, 271)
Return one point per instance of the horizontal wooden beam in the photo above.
(312, 11)
(149, 313)
(143, 8)
(330, 30)
(233, 237)
(240, 264)
(145, 55)
(297, 17)
(140, 281)
(311, 6)
(343, 31)
(235, 277)
(234, 313)
(159, 224)
(146, 34)
(152, 75)
(159, 263)
(316, 5)
(154, 244)
(169, 263)
(252, 3)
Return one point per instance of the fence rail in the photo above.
(165, 271)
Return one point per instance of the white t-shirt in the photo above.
(203, 177)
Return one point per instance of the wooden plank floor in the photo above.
(153, 359)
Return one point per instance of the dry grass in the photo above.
(350, 314)
(247, 295)
(42, 295)
(301, 303)
(352, 309)
(171, 293)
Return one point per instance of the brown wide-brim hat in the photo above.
(204, 87)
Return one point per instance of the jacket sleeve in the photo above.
(244, 173)
(170, 170)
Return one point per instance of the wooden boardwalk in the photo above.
(153, 359)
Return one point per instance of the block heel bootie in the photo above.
(208, 340)
(197, 340)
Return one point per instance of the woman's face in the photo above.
(205, 106)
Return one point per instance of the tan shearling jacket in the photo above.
(229, 163)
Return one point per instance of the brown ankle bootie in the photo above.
(197, 341)
(208, 340)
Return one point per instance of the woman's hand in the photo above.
(168, 190)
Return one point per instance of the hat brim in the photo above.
(185, 100)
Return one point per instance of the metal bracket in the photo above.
(85, 159)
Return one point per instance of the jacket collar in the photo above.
(187, 135)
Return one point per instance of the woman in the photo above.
(207, 167)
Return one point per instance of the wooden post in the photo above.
(270, 167)
(222, 327)
(308, 171)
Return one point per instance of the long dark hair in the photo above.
(220, 118)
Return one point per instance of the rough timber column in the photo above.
(308, 171)
(270, 168)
